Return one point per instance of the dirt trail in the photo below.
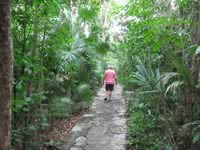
(104, 128)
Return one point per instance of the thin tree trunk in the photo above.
(26, 3)
(195, 69)
(16, 72)
(34, 47)
(6, 71)
(41, 74)
(31, 76)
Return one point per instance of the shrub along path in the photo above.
(104, 128)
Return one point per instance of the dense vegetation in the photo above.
(57, 45)
(161, 56)
(60, 52)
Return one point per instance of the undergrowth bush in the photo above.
(61, 107)
(85, 92)
(143, 129)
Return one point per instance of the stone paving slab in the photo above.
(104, 128)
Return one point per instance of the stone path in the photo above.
(104, 128)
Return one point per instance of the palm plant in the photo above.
(150, 83)
(183, 74)
(180, 79)
(84, 34)
(174, 86)
(81, 47)
(147, 79)
(195, 130)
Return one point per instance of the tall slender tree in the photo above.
(6, 64)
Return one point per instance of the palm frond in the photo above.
(141, 68)
(139, 77)
(158, 77)
(181, 69)
(146, 78)
(174, 86)
(167, 76)
(78, 45)
(69, 57)
(149, 92)
(67, 14)
(184, 71)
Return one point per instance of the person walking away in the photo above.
(109, 79)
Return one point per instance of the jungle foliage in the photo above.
(161, 60)
(59, 54)
(57, 45)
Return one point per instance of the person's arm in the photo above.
(115, 78)
(103, 79)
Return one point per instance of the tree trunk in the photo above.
(6, 68)
(34, 47)
(41, 74)
(195, 68)
(195, 28)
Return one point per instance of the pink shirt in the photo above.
(110, 76)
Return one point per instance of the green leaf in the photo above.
(20, 102)
(102, 48)
(196, 137)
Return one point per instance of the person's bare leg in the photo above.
(109, 95)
